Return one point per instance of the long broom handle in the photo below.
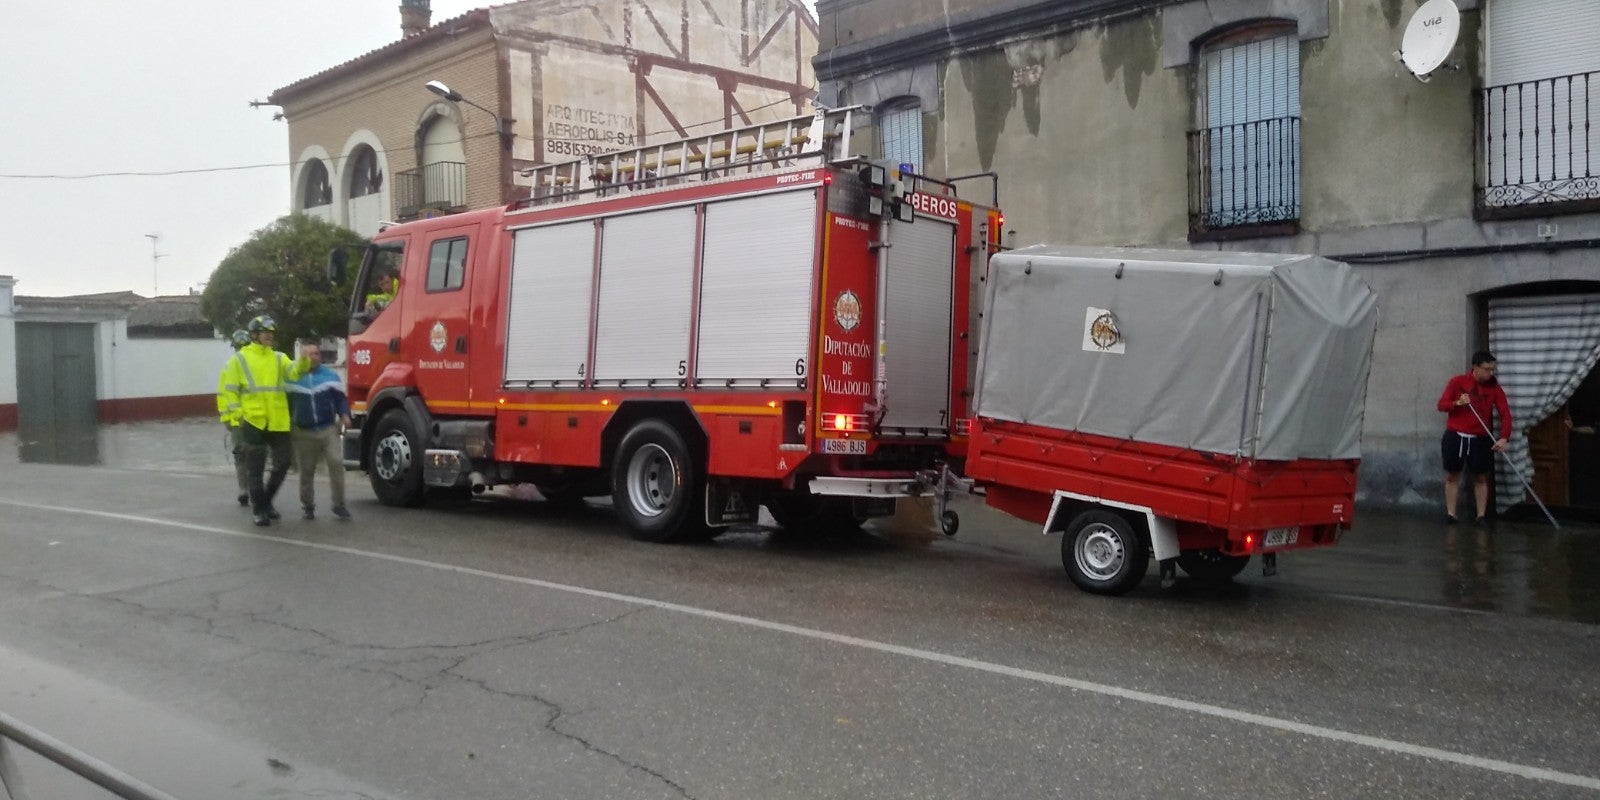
(1525, 484)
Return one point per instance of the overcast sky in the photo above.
(98, 86)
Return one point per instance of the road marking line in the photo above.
(1103, 689)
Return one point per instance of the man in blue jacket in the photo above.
(317, 407)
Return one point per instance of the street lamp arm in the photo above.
(501, 126)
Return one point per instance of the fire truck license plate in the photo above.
(844, 447)
(1280, 537)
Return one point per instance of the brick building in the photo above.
(531, 82)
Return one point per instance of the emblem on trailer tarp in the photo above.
(847, 311)
(437, 337)
(1101, 333)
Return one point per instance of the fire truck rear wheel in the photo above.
(1211, 565)
(1103, 553)
(657, 485)
(396, 459)
(801, 511)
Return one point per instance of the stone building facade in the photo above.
(1469, 201)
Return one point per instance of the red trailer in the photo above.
(1197, 407)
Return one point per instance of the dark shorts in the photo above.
(1475, 454)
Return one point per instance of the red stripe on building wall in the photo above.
(8, 416)
(132, 409)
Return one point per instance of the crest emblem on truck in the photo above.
(1102, 333)
(847, 311)
(437, 337)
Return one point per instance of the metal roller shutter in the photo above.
(1531, 40)
(547, 326)
(646, 288)
(755, 289)
(917, 358)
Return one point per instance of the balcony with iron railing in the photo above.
(1244, 179)
(440, 186)
(1538, 147)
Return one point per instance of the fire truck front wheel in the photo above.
(657, 485)
(1103, 553)
(396, 460)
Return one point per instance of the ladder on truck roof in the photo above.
(820, 139)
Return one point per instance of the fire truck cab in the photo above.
(695, 329)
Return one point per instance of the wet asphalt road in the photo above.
(504, 650)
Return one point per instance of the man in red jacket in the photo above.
(1469, 401)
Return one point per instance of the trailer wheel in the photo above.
(1103, 553)
(656, 484)
(396, 459)
(1211, 565)
(801, 511)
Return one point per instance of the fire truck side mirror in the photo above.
(337, 259)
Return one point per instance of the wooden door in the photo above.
(1547, 449)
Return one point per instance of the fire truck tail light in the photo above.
(1249, 542)
(844, 422)
(827, 179)
(1001, 220)
(963, 427)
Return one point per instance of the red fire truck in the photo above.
(695, 329)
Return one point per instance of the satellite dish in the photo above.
(1429, 37)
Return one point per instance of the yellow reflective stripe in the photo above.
(245, 368)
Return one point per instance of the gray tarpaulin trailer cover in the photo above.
(1263, 356)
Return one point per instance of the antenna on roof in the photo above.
(1429, 38)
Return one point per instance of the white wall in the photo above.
(8, 343)
(161, 367)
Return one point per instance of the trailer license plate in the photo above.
(1280, 537)
(844, 447)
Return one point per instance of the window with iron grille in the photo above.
(1539, 112)
(1244, 154)
(900, 132)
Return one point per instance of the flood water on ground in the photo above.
(1519, 565)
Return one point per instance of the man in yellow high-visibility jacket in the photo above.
(228, 411)
(260, 372)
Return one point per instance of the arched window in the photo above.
(316, 189)
(900, 131)
(366, 177)
(444, 164)
(1245, 149)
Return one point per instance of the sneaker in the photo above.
(1481, 521)
(262, 521)
(341, 512)
(1450, 519)
(272, 513)
(310, 513)
(244, 498)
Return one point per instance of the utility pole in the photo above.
(155, 263)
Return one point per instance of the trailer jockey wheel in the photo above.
(1211, 565)
(396, 461)
(1103, 553)
(657, 486)
(949, 523)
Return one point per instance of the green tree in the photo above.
(282, 271)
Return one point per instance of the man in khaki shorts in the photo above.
(318, 410)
